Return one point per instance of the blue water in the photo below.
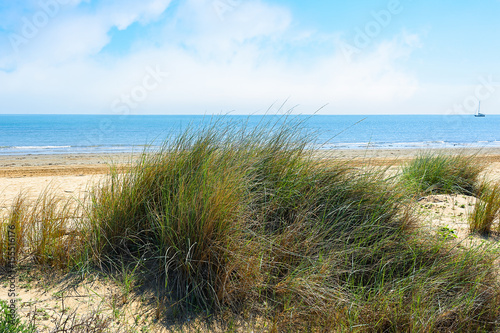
(59, 134)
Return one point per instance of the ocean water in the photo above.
(61, 134)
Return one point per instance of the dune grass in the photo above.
(247, 220)
(46, 231)
(439, 173)
(231, 219)
(486, 209)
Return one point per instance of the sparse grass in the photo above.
(47, 230)
(231, 219)
(12, 231)
(93, 322)
(487, 209)
(438, 173)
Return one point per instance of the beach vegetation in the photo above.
(46, 230)
(11, 323)
(438, 173)
(486, 213)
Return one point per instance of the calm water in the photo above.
(52, 134)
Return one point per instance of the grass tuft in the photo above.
(486, 210)
(10, 321)
(438, 173)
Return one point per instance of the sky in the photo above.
(249, 56)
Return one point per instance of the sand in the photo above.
(71, 175)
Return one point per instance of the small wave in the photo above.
(40, 147)
(396, 145)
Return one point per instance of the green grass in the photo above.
(231, 219)
(438, 173)
(12, 324)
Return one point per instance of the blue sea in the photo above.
(69, 134)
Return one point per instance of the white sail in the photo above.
(478, 111)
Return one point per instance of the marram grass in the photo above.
(439, 173)
(46, 231)
(486, 214)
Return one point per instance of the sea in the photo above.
(83, 134)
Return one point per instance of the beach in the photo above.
(249, 166)
(84, 165)
(66, 175)
(72, 175)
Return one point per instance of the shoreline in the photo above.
(61, 164)
(15, 166)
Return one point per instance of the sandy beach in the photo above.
(72, 173)
(249, 166)
(67, 175)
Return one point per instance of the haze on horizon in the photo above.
(242, 56)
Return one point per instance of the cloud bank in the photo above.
(190, 57)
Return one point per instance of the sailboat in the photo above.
(478, 113)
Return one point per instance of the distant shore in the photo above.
(399, 155)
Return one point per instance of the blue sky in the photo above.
(243, 56)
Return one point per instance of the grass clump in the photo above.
(486, 209)
(179, 212)
(439, 173)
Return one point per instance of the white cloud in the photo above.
(74, 32)
(125, 12)
(235, 60)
